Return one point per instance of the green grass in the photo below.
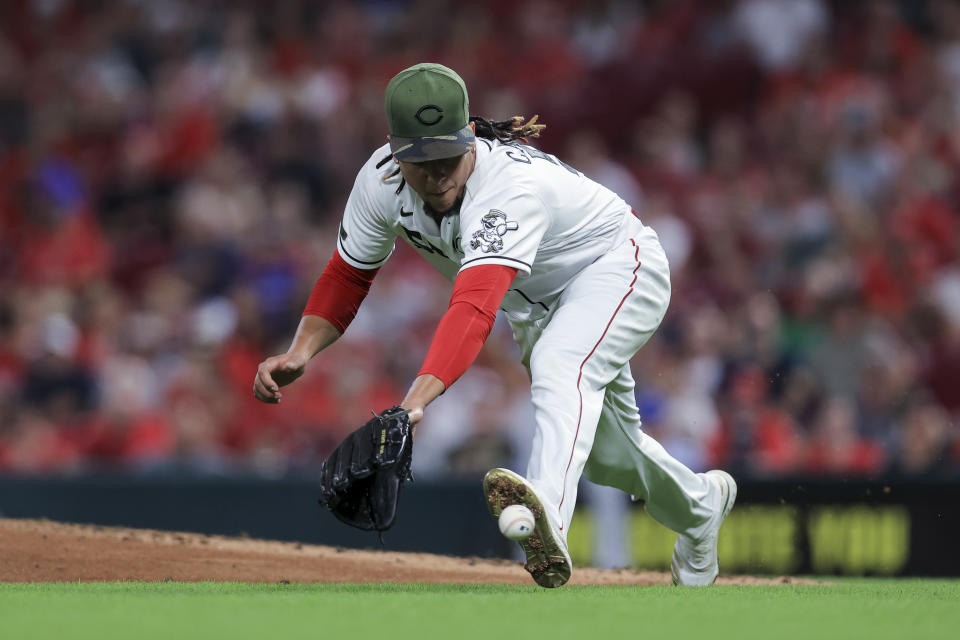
(874, 609)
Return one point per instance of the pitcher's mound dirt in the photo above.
(44, 551)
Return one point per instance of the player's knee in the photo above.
(603, 474)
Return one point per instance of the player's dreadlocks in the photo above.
(514, 128)
(508, 130)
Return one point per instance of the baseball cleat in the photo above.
(695, 562)
(547, 558)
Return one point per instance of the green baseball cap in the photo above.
(428, 113)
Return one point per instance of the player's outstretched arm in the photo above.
(425, 389)
(313, 335)
(334, 302)
(477, 294)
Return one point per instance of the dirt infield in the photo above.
(44, 551)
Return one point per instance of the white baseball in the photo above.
(516, 522)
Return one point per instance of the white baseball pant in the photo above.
(583, 391)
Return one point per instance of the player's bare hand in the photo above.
(275, 372)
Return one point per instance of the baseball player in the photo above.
(582, 281)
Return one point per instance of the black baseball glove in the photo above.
(360, 482)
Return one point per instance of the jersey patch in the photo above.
(489, 239)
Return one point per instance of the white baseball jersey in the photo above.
(521, 208)
(565, 234)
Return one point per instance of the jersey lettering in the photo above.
(528, 151)
(417, 240)
(521, 157)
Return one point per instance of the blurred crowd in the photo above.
(172, 173)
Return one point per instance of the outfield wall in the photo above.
(854, 528)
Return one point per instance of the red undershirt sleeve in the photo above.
(338, 292)
(477, 294)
